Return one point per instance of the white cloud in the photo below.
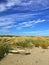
(17, 21)
(2, 7)
(29, 2)
(8, 27)
(14, 18)
(33, 4)
(29, 23)
(11, 3)
(10, 21)
(4, 21)
(39, 21)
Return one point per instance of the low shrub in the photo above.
(24, 44)
(35, 42)
(44, 45)
(4, 49)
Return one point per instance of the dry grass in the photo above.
(36, 41)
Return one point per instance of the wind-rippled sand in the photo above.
(38, 56)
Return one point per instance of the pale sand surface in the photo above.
(38, 56)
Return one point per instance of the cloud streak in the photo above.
(29, 23)
(4, 21)
(25, 4)
(24, 15)
(18, 22)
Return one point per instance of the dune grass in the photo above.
(24, 41)
(6, 43)
(24, 44)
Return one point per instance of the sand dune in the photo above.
(38, 56)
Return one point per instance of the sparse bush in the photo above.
(35, 42)
(44, 45)
(24, 44)
(4, 49)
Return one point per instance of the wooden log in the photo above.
(20, 52)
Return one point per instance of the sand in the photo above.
(38, 56)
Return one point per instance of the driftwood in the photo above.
(20, 52)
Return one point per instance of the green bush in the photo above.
(43, 43)
(4, 49)
(35, 42)
(24, 44)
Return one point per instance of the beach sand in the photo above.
(38, 56)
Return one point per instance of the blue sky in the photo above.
(24, 17)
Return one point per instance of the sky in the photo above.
(24, 17)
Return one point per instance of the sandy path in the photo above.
(38, 56)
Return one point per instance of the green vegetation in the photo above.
(23, 42)
(42, 43)
(29, 43)
(4, 49)
(35, 43)
(26, 42)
